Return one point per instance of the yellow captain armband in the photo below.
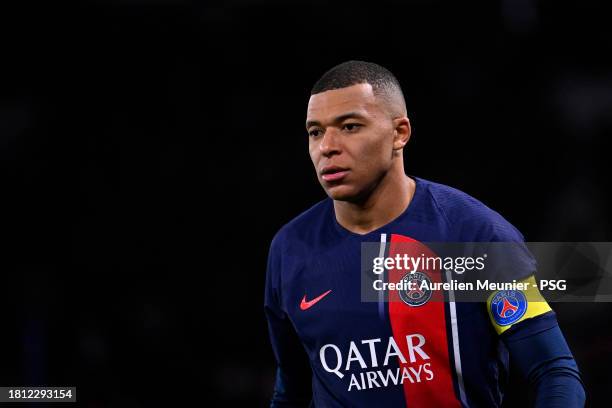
(509, 307)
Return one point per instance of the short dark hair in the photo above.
(356, 72)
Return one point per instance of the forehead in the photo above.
(355, 98)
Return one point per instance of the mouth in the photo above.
(333, 173)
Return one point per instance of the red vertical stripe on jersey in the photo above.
(429, 321)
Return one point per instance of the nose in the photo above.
(330, 144)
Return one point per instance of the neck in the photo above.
(386, 202)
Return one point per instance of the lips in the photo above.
(333, 173)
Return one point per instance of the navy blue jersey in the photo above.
(354, 353)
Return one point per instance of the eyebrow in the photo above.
(337, 119)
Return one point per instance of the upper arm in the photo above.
(537, 346)
(292, 387)
(538, 349)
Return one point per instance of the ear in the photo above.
(402, 132)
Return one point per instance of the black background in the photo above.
(149, 151)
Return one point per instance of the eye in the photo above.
(351, 127)
(314, 132)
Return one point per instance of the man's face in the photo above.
(350, 141)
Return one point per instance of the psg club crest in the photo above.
(508, 306)
(418, 289)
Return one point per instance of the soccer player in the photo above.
(334, 350)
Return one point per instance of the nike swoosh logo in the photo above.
(310, 303)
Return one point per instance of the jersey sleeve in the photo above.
(526, 323)
(510, 262)
(292, 386)
(538, 349)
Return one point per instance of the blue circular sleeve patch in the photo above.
(508, 306)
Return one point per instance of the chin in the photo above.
(342, 193)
